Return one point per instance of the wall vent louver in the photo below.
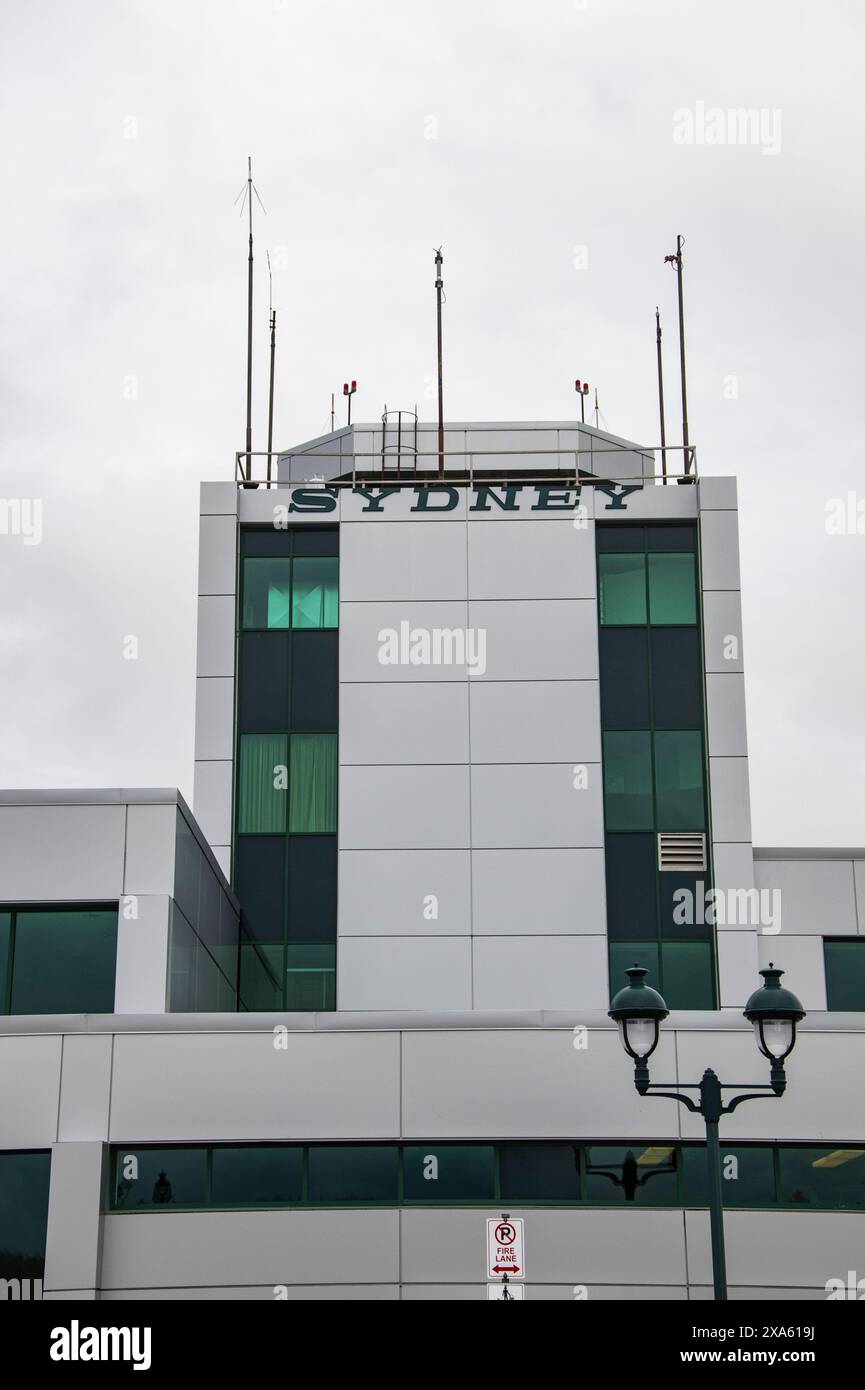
(682, 850)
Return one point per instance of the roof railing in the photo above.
(468, 476)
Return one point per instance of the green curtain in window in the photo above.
(266, 589)
(315, 601)
(672, 589)
(622, 597)
(313, 784)
(262, 792)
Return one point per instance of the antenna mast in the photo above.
(439, 287)
(661, 395)
(676, 260)
(272, 364)
(245, 197)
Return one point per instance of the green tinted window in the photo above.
(672, 589)
(246, 1177)
(812, 1177)
(353, 1173)
(267, 591)
(687, 979)
(263, 783)
(747, 1177)
(315, 600)
(628, 781)
(624, 663)
(172, 1177)
(24, 1179)
(64, 962)
(679, 780)
(624, 954)
(540, 1172)
(312, 784)
(449, 1172)
(645, 1176)
(631, 862)
(622, 588)
(5, 959)
(261, 978)
(845, 975)
(677, 678)
(310, 977)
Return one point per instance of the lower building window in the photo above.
(24, 1179)
(845, 975)
(654, 1172)
(57, 960)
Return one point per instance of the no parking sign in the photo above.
(505, 1248)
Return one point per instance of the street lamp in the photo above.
(774, 1012)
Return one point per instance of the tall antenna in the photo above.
(244, 197)
(676, 260)
(661, 395)
(272, 364)
(439, 289)
(597, 426)
(332, 414)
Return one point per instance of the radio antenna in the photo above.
(661, 395)
(272, 365)
(245, 197)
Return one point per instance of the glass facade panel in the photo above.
(823, 1177)
(845, 975)
(624, 954)
(261, 978)
(310, 977)
(263, 783)
(314, 681)
(263, 682)
(622, 588)
(259, 881)
(64, 961)
(172, 1177)
(266, 591)
(256, 1176)
(540, 1172)
(313, 784)
(5, 959)
(312, 896)
(677, 678)
(24, 1180)
(747, 1177)
(315, 600)
(624, 664)
(679, 780)
(353, 1173)
(449, 1172)
(672, 589)
(631, 873)
(686, 974)
(628, 780)
(645, 1176)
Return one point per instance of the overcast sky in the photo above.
(513, 133)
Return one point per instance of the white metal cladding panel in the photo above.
(394, 893)
(540, 639)
(399, 972)
(719, 550)
(531, 805)
(363, 629)
(810, 1106)
(779, 1249)
(424, 560)
(540, 972)
(722, 630)
(817, 896)
(726, 727)
(232, 1086)
(29, 1090)
(195, 1249)
(214, 717)
(290, 1293)
(404, 722)
(571, 1246)
(510, 1082)
(217, 555)
(404, 807)
(531, 559)
(61, 853)
(535, 721)
(522, 892)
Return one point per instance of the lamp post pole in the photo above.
(774, 1012)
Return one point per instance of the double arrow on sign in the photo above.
(506, 1269)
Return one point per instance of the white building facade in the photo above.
(467, 746)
